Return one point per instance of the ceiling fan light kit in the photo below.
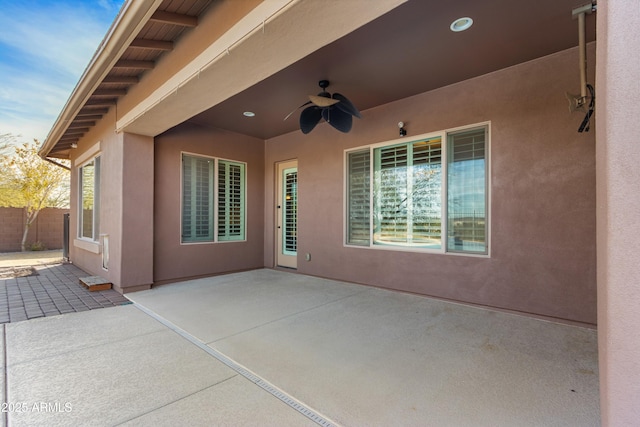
(335, 109)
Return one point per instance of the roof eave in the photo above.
(132, 17)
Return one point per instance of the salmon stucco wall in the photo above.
(618, 156)
(125, 194)
(542, 221)
(100, 140)
(174, 260)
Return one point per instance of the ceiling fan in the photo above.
(335, 109)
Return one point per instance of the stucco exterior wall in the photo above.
(543, 249)
(135, 256)
(103, 140)
(126, 204)
(173, 260)
(618, 154)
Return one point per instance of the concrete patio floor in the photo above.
(267, 347)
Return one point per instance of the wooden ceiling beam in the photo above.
(133, 63)
(81, 123)
(77, 130)
(86, 117)
(74, 134)
(109, 92)
(121, 79)
(92, 110)
(60, 147)
(101, 102)
(152, 44)
(174, 18)
(57, 149)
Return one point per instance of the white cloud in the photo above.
(44, 49)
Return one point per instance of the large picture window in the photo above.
(89, 199)
(429, 193)
(213, 199)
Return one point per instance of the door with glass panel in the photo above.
(287, 214)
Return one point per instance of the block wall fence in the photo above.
(47, 228)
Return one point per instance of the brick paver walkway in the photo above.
(52, 290)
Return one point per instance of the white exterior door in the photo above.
(287, 215)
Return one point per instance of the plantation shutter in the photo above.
(391, 194)
(359, 206)
(231, 201)
(290, 206)
(425, 194)
(197, 199)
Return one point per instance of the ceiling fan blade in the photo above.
(309, 118)
(322, 101)
(338, 119)
(296, 109)
(346, 105)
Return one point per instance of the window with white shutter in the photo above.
(231, 201)
(407, 193)
(213, 200)
(197, 199)
(420, 194)
(358, 190)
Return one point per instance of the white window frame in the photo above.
(443, 134)
(215, 239)
(95, 237)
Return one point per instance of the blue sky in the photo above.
(45, 46)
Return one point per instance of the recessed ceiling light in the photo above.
(249, 114)
(461, 24)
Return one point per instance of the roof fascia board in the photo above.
(132, 17)
(283, 29)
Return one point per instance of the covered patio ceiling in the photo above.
(404, 52)
(408, 51)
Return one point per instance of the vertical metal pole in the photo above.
(65, 236)
(583, 57)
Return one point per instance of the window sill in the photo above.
(212, 243)
(417, 249)
(87, 245)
